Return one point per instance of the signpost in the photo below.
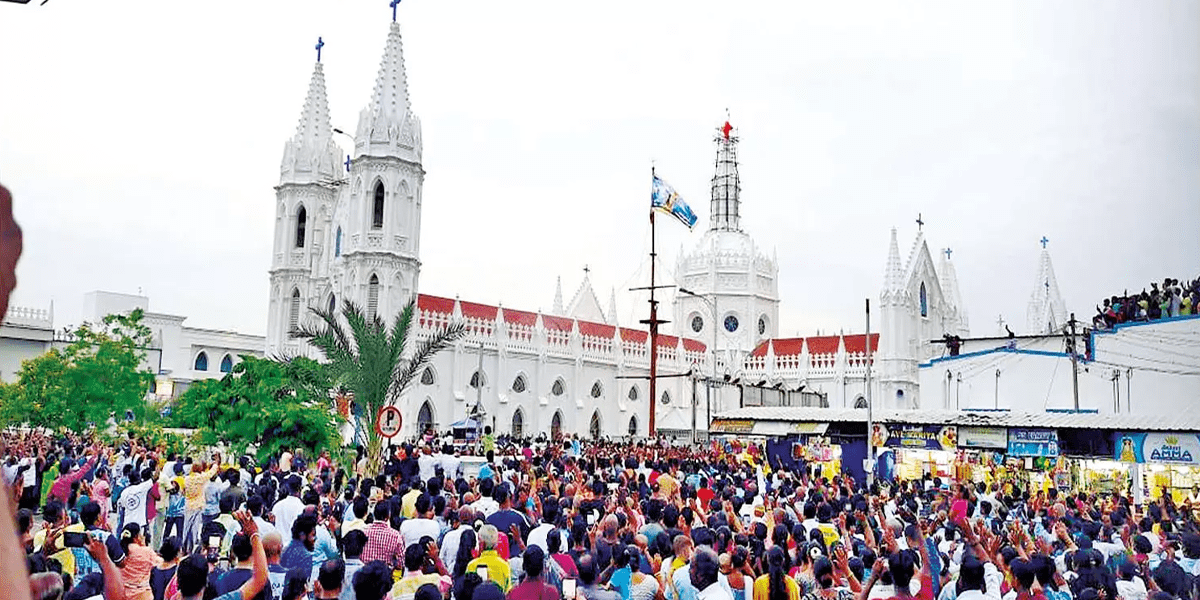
(388, 422)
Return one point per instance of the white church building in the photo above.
(351, 230)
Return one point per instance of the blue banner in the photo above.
(1171, 448)
(1033, 442)
(665, 198)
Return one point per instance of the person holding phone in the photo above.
(192, 574)
(497, 569)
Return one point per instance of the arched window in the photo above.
(597, 390)
(227, 364)
(558, 388)
(924, 301)
(666, 398)
(294, 313)
(478, 380)
(427, 377)
(594, 426)
(201, 362)
(373, 297)
(301, 224)
(556, 425)
(633, 430)
(860, 402)
(337, 243)
(425, 417)
(633, 393)
(377, 213)
(332, 303)
(518, 424)
(518, 385)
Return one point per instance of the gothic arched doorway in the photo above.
(425, 418)
(633, 426)
(594, 426)
(518, 424)
(556, 425)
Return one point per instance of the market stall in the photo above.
(1160, 462)
(919, 449)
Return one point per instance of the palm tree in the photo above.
(367, 357)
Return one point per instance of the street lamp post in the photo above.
(708, 389)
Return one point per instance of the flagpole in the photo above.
(653, 430)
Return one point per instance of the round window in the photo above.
(762, 325)
(731, 323)
(697, 323)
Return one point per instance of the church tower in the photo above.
(1046, 313)
(309, 181)
(379, 223)
(734, 288)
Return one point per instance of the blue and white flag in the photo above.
(665, 198)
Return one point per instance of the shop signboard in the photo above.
(1033, 442)
(915, 437)
(1170, 448)
(982, 437)
(733, 425)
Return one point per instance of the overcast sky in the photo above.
(141, 141)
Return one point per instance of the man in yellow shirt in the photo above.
(497, 568)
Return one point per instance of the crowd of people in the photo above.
(571, 519)
(1161, 301)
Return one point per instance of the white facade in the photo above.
(1147, 368)
(178, 354)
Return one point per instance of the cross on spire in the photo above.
(586, 270)
(947, 252)
(320, 44)
(347, 163)
(394, 4)
(920, 223)
(1044, 241)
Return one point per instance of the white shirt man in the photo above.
(285, 512)
(449, 548)
(426, 463)
(133, 501)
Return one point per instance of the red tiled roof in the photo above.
(520, 317)
(435, 304)
(694, 345)
(474, 310)
(634, 335)
(599, 330)
(667, 340)
(858, 343)
(557, 323)
(825, 344)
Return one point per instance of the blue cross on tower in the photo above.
(394, 4)
(347, 163)
(1044, 241)
(947, 251)
(320, 44)
(920, 223)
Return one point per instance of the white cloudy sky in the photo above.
(142, 141)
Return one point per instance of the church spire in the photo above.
(725, 212)
(948, 277)
(611, 317)
(557, 309)
(311, 155)
(893, 275)
(387, 127)
(1047, 313)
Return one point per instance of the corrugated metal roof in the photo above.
(1047, 420)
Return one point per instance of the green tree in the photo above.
(271, 405)
(367, 356)
(100, 374)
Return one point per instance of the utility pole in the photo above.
(1074, 363)
(694, 411)
(870, 416)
